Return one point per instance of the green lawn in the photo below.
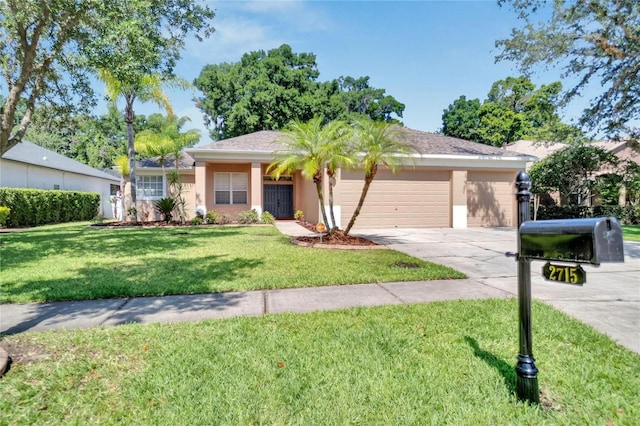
(631, 232)
(73, 262)
(438, 363)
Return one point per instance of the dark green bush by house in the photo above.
(4, 215)
(32, 207)
(626, 215)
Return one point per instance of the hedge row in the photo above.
(626, 215)
(32, 207)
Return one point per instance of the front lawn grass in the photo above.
(73, 262)
(438, 363)
(631, 232)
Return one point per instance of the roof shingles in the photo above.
(425, 144)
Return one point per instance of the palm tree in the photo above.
(378, 143)
(337, 152)
(304, 151)
(147, 88)
(169, 142)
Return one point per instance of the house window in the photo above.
(149, 187)
(231, 188)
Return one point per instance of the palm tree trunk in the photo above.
(128, 118)
(321, 200)
(331, 174)
(363, 195)
(331, 214)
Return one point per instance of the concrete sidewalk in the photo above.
(610, 301)
(17, 318)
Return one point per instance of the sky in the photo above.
(425, 54)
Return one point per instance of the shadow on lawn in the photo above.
(151, 277)
(25, 247)
(506, 371)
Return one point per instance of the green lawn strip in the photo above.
(631, 232)
(73, 262)
(438, 363)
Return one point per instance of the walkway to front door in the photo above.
(278, 200)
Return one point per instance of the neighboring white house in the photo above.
(28, 165)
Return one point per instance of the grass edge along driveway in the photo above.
(436, 363)
(74, 262)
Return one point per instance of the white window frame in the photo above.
(224, 182)
(144, 193)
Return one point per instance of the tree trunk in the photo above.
(321, 200)
(333, 226)
(128, 118)
(363, 195)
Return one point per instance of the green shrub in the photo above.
(248, 217)
(211, 217)
(33, 207)
(299, 215)
(165, 206)
(267, 218)
(132, 213)
(4, 215)
(198, 220)
(626, 215)
(225, 218)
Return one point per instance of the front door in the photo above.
(278, 200)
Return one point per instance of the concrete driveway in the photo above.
(609, 301)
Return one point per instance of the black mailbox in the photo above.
(593, 240)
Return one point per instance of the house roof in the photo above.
(30, 153)
(622, 149)
(426, 144)
(185, 162)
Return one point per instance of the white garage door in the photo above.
(406, 199)
(490, 198)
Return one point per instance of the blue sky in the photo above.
(424, 53)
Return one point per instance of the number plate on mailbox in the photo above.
(567, 274)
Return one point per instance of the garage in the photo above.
(490, 198)
(406, 199)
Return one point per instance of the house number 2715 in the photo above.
(564, 273)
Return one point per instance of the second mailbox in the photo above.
(593, 240)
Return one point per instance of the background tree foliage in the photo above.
(514, 109)
(266, 90)
(571, 172)
(48, 50)
(595, 42)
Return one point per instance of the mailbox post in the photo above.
(593, 240)
(526, 371)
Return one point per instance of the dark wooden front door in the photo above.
(278, 200)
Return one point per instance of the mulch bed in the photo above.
(337, 238)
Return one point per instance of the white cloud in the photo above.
(233, 37)
(245, 26)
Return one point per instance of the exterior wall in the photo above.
(189, 194)
(407, 199)
(209, 196)
(459, 199)
(305, 198)
(14, 174)
(491, 198)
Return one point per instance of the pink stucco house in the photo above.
(449, 183)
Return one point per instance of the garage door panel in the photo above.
(405, 199)
(490, 198)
